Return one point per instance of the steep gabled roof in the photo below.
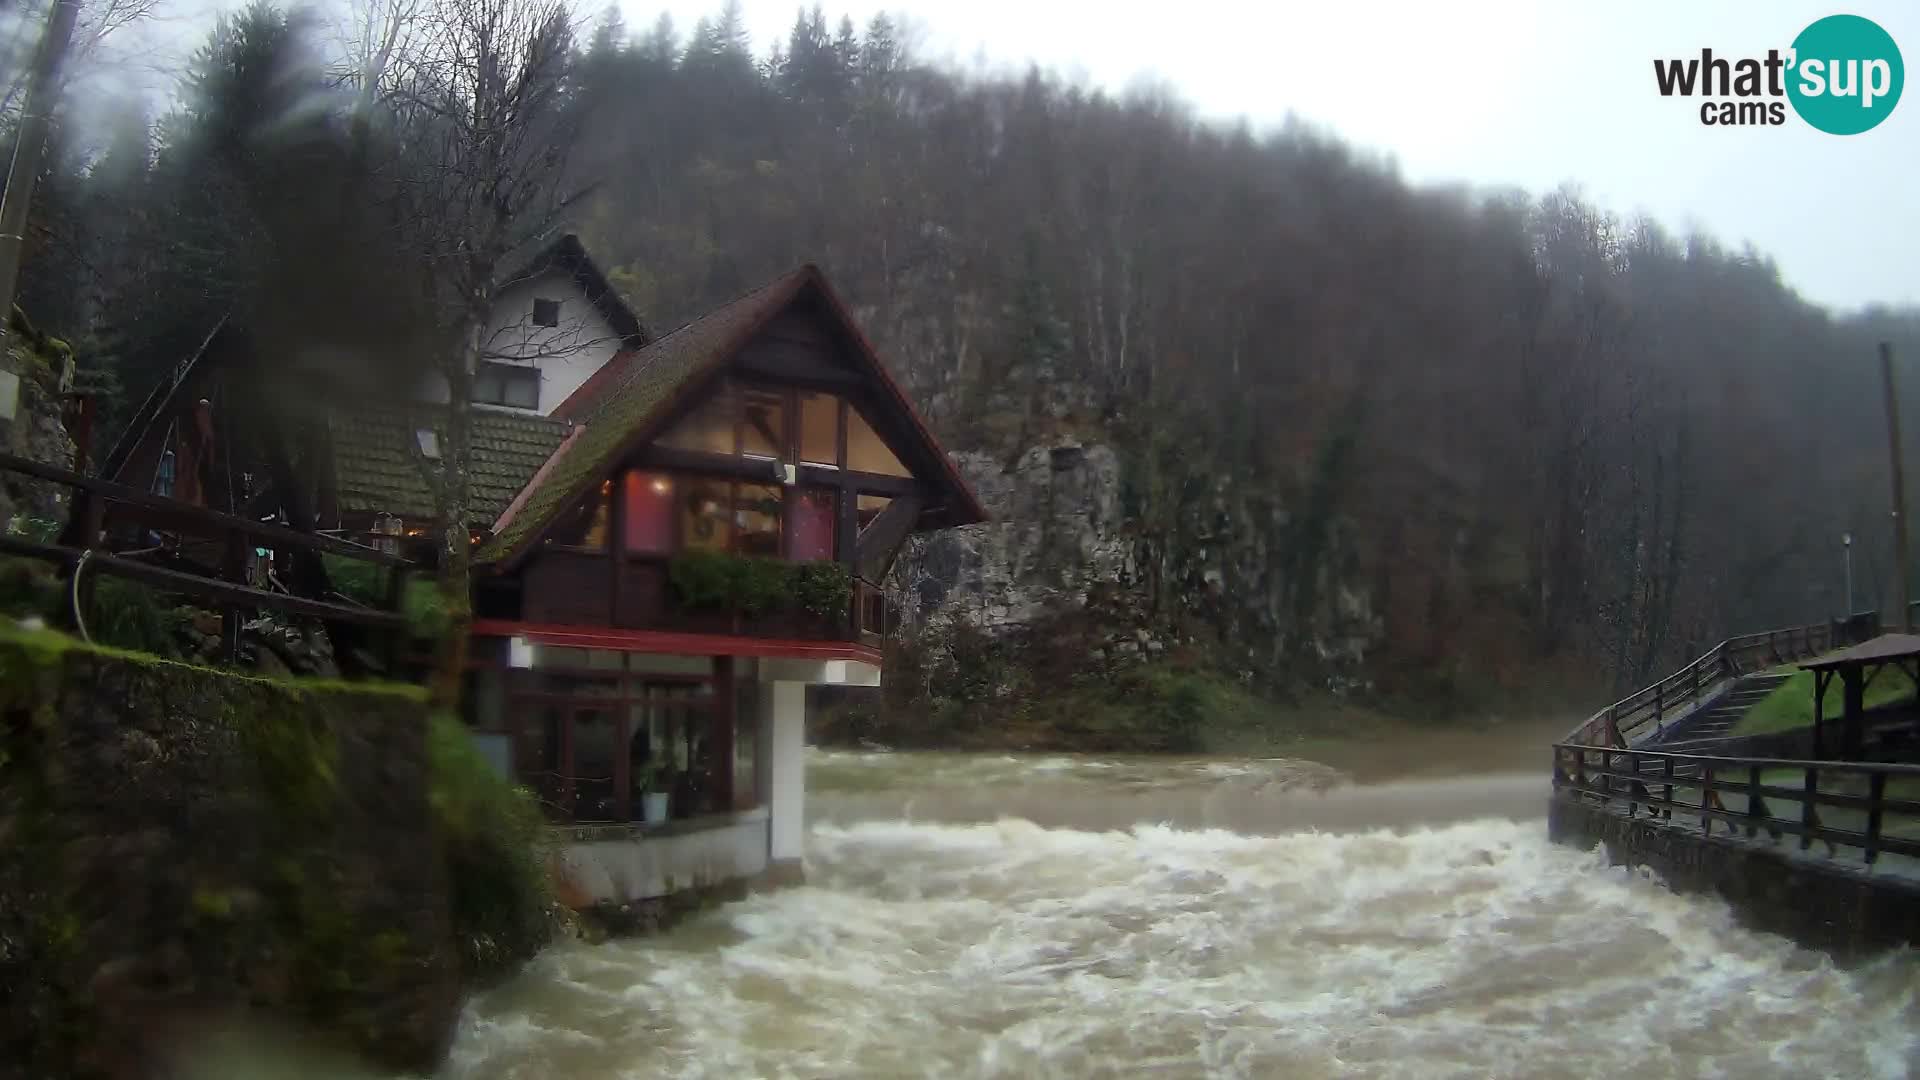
(656, 380)
(376, 466)
(570, 257)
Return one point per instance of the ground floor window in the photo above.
(619, 738)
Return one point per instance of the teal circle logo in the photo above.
(1846, 75)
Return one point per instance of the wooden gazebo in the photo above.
(1856, 667)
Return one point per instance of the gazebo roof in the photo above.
(1880, 650)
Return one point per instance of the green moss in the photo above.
(496, 848)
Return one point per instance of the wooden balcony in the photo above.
(563, 586)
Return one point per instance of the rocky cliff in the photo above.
(1221, 579)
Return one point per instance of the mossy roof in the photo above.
(376, 467)
(656, 376)
(659, 378)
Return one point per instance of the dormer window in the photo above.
(546, 313)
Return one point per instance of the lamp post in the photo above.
(1846, 545)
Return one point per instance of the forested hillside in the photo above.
(1243, 400)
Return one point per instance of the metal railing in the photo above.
(1861, 807)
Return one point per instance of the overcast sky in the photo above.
(1493, 93)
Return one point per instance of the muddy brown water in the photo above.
(973, 916)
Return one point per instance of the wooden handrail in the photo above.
(230, 592)
(222, 592)
(206, 522)
(1575, 776)
(1652, 705)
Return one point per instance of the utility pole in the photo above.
(35, 116)
(1902, 571)
(1846, 545)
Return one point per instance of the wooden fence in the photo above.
(1861, 807)
(1646, 712)
(82, 548)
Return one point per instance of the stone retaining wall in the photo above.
(1833, 906)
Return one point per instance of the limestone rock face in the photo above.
(1222, 570)
(1056, 537)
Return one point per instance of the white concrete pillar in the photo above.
(785, 705)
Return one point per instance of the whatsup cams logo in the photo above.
(1842, 74)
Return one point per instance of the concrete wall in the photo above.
(1823, 905)
(620, 864)
(784, 706)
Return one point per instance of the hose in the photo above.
(79, 622)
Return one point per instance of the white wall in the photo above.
(566, 354)
(620, 871)
(786, 717)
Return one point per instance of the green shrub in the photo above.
(754, 586)
(131, 616)
(30, 587)
(761, 585)
(823, 588)
(702, 580)
(496, 844)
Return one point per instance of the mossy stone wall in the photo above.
(182, 847)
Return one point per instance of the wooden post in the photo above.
(1820, 680)
(1755, 809)
(1876, 795)
(726, 698)
(396, 643)
(233, 568)
(1853, 722)
(1669, 792)
(1808, 818)
(1706, 799)
(1902, 570)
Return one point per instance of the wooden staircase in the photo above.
(1718, 718)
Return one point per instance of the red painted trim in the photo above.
(661, 641)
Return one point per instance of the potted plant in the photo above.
(656, 788)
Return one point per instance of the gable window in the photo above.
(866, 452)
(819, 429)
(585, 527)
(708, 428)
(763, 426)
(507, 384)
(546, 313)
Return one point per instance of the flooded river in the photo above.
(1066, 916)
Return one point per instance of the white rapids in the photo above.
(1006, 948)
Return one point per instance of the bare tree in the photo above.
(475, 91)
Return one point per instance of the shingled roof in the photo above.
(656, 380)
(654, 376)
(375, 466)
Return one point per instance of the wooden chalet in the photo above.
(681, 540)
